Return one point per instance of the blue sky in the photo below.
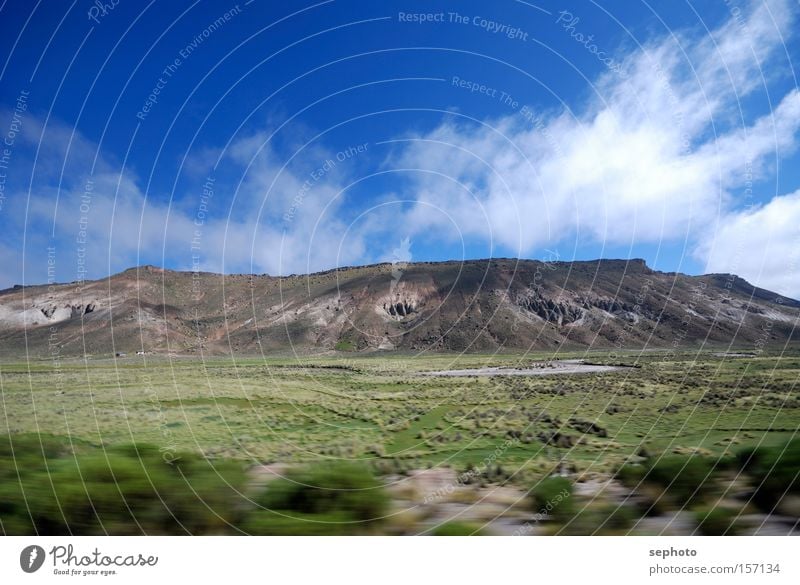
(291, 137)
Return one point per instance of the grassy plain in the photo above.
(379, 408)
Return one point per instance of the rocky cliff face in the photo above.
(475, 305)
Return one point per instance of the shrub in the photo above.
(553, 496)
(617, 517)
(747, 457)
(331, 498)
(26, 452)
(774, 472)
(651, 500)
(717, 521)
(630, 474)
(686, 479)
(606, 519)
(345, 345)
(125, 490)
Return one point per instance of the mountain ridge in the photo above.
(474, 305)
(158, 269)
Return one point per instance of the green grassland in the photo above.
(371, 444)
(380, 409)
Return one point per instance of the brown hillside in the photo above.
(474, 305)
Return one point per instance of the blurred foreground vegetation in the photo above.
(51, 486)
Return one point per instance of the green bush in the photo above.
(630, 474)
(48, 489)
(553, 496)
(652, 501)
(345, 345)
(686, 479)
(24, 453)
(747, 457)
(774, 472)
(331, 498)
(125, 490)
(606, 519)
(717, 521)
(617, 518)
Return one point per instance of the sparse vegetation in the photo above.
(345, 345)
(326, 498)
(717, 521)
(553, 496)
(686, 479)
(122, 490)
(775, 471)
(508, 432)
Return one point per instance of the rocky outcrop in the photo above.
(404, 299)
(22, 314)
(565, 311)
(553, 311)
(67, 311)
(52, 311)
(400, 309)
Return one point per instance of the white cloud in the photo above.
(655, 156)
(761, 245)
(124, 227)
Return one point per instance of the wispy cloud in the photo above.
(262, 215)
(762, 243)
(659, 152)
